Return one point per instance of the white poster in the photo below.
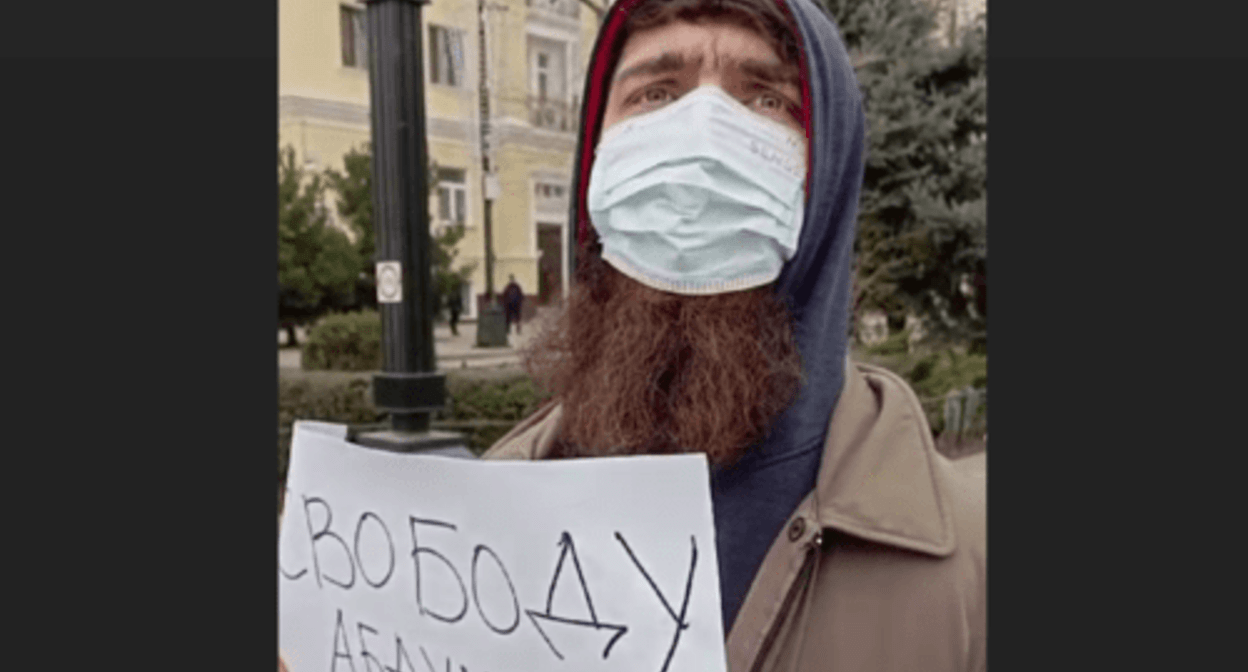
(407, 563)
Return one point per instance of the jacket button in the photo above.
(796, 528)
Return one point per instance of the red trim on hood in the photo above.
(595, 100)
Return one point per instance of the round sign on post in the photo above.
(389, 282)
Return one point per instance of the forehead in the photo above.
(717, 41)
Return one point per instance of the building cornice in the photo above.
(441, 128)
(327, 110)
(508, 129)
(513, 131)
(355, 115)
(550, 176)
(553, 25)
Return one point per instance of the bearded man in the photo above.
(716, 184)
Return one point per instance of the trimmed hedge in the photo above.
(344, 342)
(482, 410)
(510, 399)
(348, 402)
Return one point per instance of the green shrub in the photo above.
(348, 402)
(938, 373)
(344, 342)
(481, 410)
(508, 399)
(897, 343)
(935, 375)
(922, 369)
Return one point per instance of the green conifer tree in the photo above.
(316, 263)
(922, 243)
(354, 187)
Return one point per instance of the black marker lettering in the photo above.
(681, 623)
(369, 658)
(427, 661)
(400, 655)
(363, 650)
(286, 574)
(417, 549)
(333, 664)
(325, 532)
(568, 548)
(389, 547)
(476, 555)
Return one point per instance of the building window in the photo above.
(549, 106)
(550, 198)
(469, 300)
(546, 64)
(446, 56)
(452, 197)
(544, 190)
(566, 8)
(354, 37)
(543, 74)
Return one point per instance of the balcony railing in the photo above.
(553, 115)
(568, 8)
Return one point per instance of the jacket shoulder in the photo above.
(963, 482)
(530, 439)
(963, 485)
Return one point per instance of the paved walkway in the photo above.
(452, 351)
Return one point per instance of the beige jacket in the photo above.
(883, 567)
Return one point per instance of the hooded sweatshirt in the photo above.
(753, 498)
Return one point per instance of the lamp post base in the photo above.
(492, 327)
(431, 442)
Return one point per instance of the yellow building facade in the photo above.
(536, 53)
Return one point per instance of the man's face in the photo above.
(642, 371)
(659, 65)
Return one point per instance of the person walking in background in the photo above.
(513, 299)
(455, 305)
(435, 301)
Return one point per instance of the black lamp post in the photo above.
(409, 386)
(491, 322)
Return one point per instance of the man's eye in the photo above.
(769, 102)
(655, 95)
(774, 105)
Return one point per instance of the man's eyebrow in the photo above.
(776, 73)
(668, 62)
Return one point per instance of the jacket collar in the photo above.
(878, 475)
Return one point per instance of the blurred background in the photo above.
(920, 297)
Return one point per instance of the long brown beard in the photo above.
(641, 371)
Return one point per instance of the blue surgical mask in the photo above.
(702, 196)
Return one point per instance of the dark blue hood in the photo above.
(754, 499)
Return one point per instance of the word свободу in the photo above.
(371, 559)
